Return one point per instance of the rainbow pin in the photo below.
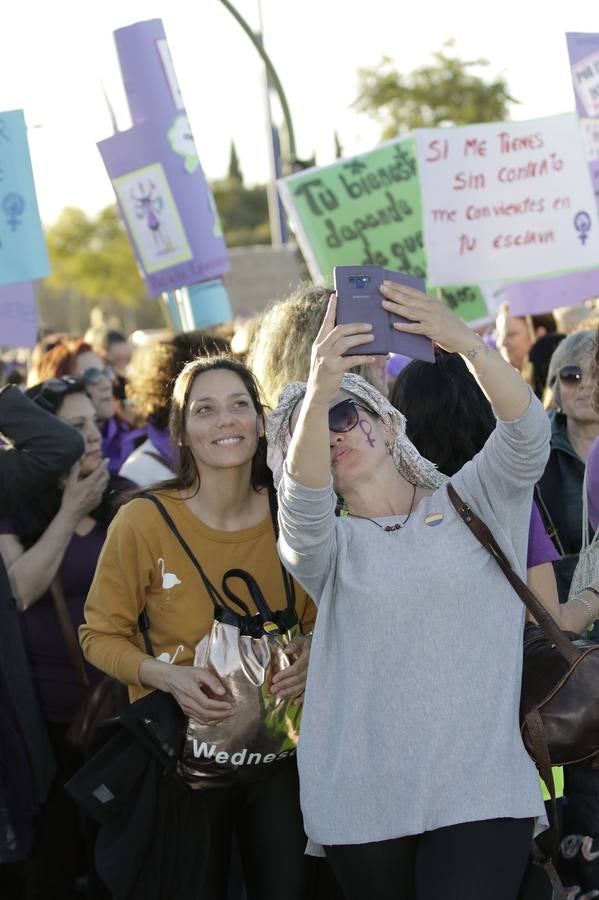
(433, 519)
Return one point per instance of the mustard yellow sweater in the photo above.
(143, 566)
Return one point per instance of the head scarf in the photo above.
(408, 461)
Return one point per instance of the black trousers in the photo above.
(267, 822)
(472, 861)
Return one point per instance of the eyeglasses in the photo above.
(344, 416)
(50, 394)
(93, 374)
(570, 375)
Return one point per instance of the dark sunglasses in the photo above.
(344, 416)
(50, 394)
(570, 375)
(93, 374)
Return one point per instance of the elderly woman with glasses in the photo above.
(73, 356)
(414, 777)
(574, 427)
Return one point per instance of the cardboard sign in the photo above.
(18, 315)
(583, 50)
(163, 196)
(506, 201)
(367, 209)
(543, 295)
(23, 253)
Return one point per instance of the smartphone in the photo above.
(359, 300)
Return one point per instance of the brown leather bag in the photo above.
(559, 702)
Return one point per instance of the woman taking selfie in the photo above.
(413, 773)
(219, 502)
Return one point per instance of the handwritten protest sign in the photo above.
(583, 50)
(23, 253)
(506, 201)
(367, 209)
(18, 315)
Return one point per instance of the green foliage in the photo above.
(243, 212)
(234, 173)
(446, 92)
(92, 257)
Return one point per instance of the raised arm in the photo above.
(44, 448)
(501, 383)
(308, 459)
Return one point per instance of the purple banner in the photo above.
(583, 50)
(545, 294)
(164, 198)
(18, 315)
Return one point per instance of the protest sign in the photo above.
(506, 201)
(23, 253)
(18, 315)
(367, 209)
(541, 295)
(163, 196)
(583, 50)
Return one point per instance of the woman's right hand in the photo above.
(328, 365)
(81, 496)
(187, 683)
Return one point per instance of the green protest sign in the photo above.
(367, 209)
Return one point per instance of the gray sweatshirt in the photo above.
(410, 720)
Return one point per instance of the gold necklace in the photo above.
(389, 528)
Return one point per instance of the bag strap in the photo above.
(548, 522)
(68, 631)
(542, 849)
(215, 597)
(288, 581)
(531, 602)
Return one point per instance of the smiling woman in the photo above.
(219, 502)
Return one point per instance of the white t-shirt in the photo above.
(143, 468)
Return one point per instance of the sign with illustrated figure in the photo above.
(164, 198)
(506, 201)
(23, 253)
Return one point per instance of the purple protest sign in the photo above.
(583, 50)
(545, 294)
(18, 315)
(164, 198)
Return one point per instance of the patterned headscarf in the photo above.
(408, 461)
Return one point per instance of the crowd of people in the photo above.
(326, 478)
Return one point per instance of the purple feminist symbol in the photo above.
(366, 429)
(582, 224)
(13, 206)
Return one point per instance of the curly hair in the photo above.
(154, 370)
(281, 345)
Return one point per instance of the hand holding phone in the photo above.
(359, 300)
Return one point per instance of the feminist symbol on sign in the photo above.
(13, 206)
(582, 224)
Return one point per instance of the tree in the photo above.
(446, 92)
(243, 212)
(92, 256)
(234, 173)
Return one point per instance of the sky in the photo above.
(58, 62)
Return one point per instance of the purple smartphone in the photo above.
(359, 300)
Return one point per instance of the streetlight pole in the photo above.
(272, 74)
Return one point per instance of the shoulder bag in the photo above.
(244, 651)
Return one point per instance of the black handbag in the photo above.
(559, 702)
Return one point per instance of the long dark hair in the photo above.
(448, 417)
(186, 470)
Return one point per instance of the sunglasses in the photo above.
(93, 375)
(52, 392)
(344, 416)
(570, 375)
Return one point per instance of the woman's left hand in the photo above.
(292, 681)
(428, 317)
